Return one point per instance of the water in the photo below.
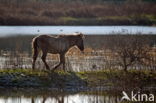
(50, 96)
(92, 30)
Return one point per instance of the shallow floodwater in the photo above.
(17, 96)
(92, 30)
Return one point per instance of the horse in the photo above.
(55, 45)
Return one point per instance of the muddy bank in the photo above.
(34, 79)
(78, 81)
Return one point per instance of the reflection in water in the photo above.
(77, 98)
(58, 98)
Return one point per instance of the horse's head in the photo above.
(79, 42)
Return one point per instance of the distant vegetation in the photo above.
(22, 43)
(77, 12)
(16, 43)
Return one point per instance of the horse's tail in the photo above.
(35, 46)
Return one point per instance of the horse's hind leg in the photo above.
(34, 59)
(57, 66)
(44, 60)
(62, 60)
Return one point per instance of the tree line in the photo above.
(89, 1)
(77, 12)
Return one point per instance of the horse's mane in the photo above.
(74, 34)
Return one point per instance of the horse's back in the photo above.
(43, 40)
(51, 44)
(45, 36)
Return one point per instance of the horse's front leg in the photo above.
(63, 61)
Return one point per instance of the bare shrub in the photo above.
(130, 50)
